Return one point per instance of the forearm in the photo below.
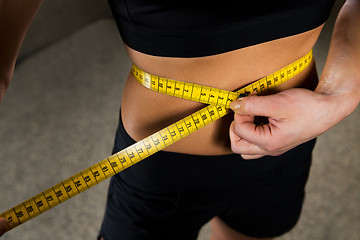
(15, 19)
(298, 115)
(341, 75)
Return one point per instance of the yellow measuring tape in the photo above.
(219, 102)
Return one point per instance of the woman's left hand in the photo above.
(3, 226)
(294, 117)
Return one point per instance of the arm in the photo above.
(341, 75)
(15, 19)
(298, 115)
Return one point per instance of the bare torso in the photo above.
(145, 112)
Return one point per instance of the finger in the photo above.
(267, 106)
(242, 146)
(251, 157)
(260, 135)
(3, 226)
(239, 120)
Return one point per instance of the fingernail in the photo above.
(235, 105)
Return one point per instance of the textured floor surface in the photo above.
(59, 117)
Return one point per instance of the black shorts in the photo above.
(172, 195)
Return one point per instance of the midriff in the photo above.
(144, 111)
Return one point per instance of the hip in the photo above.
(145, 112)
(165, 170)
(156, 111)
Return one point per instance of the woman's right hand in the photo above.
(3, 226)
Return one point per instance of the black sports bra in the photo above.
(196, 28)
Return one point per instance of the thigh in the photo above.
(166, 196)
(133, 213)
(269, 204)
(171, 195)
(221, 231)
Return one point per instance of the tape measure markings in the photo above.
(191, 91)
(219, 101)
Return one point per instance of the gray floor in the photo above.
(59, 117)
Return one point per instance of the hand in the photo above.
(3, 226)
(294, 117)
(5, 78)
(4, 83)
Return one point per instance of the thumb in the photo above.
(3, 226)
(266, 106)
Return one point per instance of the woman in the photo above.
(172, 194)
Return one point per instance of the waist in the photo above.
(145, 112)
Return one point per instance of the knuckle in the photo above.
(285, 98)
(234, 150)
(247, 104)
(234, 147)
(235, 131)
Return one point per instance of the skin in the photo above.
(336, 96)
(291, 120)
(3, 226)
(15, 19)
(229, 71)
